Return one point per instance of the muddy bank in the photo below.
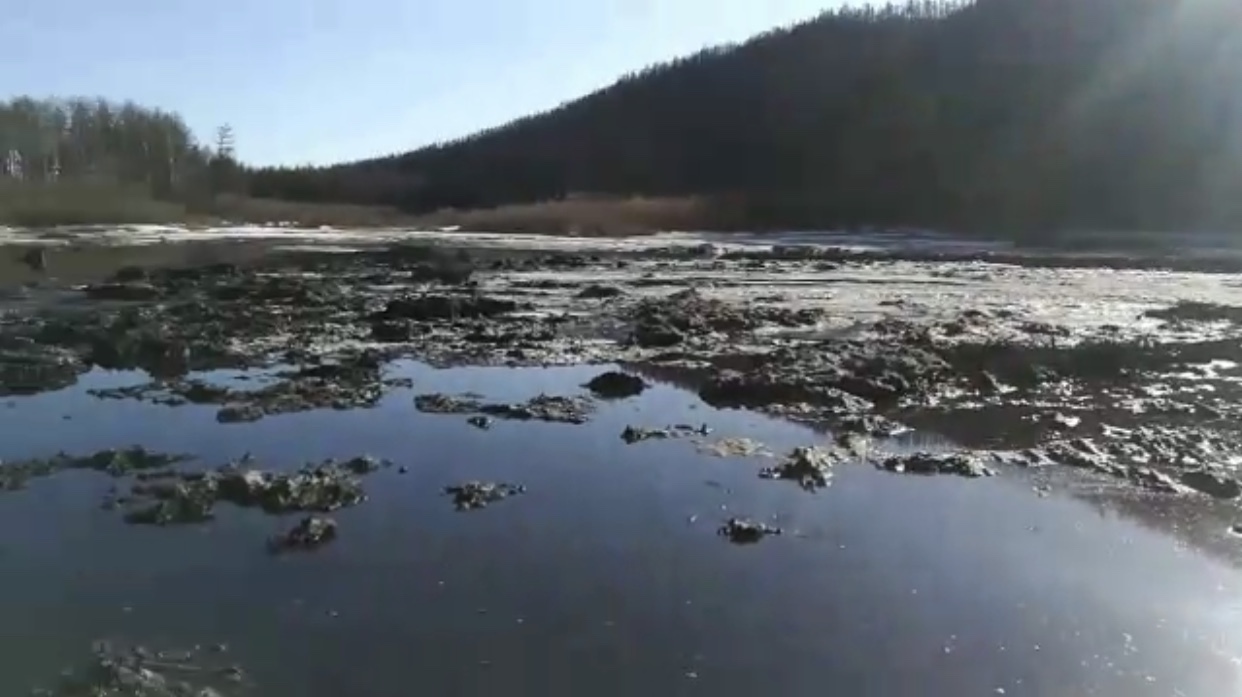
(1133, 380)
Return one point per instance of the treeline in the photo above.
(93, 160)
(993, 113)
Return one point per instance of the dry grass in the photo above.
(34, 205)
(579, 215)
(258, 210)
(587, 216)
(40, 205)
(82, 203)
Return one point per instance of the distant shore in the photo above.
(579, 216)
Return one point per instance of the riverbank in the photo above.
(900, 334)
(88, 207)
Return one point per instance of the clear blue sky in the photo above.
(318, 81)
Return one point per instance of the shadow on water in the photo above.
(607, 576)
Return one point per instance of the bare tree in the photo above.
(224, 142)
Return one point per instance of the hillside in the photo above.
(1017, 114)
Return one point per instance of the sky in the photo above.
(323, 81)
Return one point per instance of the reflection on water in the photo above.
(606, 577)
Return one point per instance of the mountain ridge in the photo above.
(1010, 113)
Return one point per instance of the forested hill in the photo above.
(1093, 113)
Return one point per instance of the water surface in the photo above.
(607, 577)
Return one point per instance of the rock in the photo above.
(564, 260)
(1062, 422)
(635, 434)
(136, 671)
(732, 388)
(525, 333)
(962, 464)
(707, 250)
(363, 464)
(437, 403)
(115, 462)
(1215, 484)
(474, 495)
(179, 503)
(1079, 452)
(122, 461)
(320, 489)
(810, 467)
(543, 408)
(872, 425)
(1153, 480)
(540, 408)
(742, 531)
(857, 445)
(656, 334)
(394, 331)
(1193, 311)
(242, 413)
(838, 376)
(176, 511)
(1123, 456)
(1179, 447)
(596, 291)
(130, 274)
(987, 383)
(35, 258)
(135, 291)
(447, 272)
(665, 321)
(1121, 449)
(734, 447)
(616, 385)
(243, 487)
(480, 422)
(310, 533)
(425, 308)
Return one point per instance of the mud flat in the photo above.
(894, 421)
(1129, 374)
